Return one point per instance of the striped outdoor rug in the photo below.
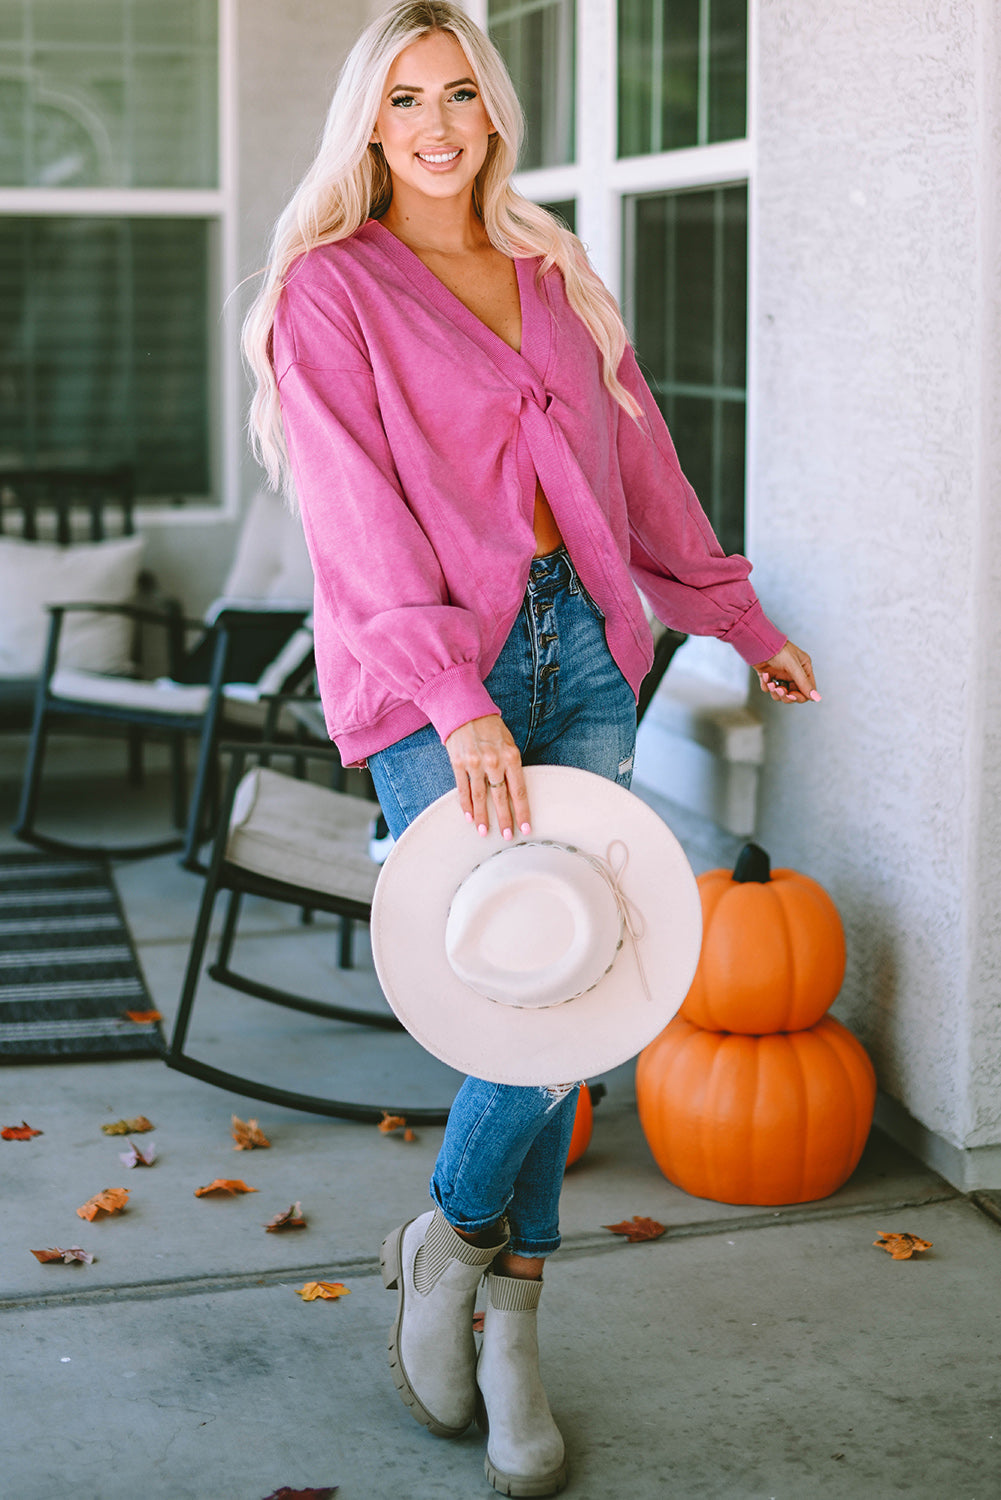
(68, 971)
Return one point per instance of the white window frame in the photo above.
(217, 206)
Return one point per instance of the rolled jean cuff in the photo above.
(532, 1249)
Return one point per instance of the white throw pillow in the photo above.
(34, 574)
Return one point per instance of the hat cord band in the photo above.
(612, 868)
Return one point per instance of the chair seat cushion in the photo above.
(303, 834)
(34, 574)
(127, 692)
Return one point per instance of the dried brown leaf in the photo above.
(248, 1135)
(900, 1246)
(478, 1320)
(22, 1132)
(138, 1126)
(286, 1494)
(66, 1256)
(292, 1218)
(230, 1185)
(325, 1291)
(110, 1201)
(637, 1229)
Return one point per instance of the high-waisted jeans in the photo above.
(566, 703)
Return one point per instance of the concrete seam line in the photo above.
(574, 1246)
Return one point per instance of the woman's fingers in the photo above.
(488, 774)
(788, 676)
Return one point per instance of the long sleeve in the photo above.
(381, 584)
(675, 558)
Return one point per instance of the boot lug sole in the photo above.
(525, 1486)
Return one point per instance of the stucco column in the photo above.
(873, 492)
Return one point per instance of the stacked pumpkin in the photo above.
(753, 1094)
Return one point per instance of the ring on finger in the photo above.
(495, 784)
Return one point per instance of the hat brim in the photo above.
(584, 1036)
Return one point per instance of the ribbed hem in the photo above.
(514, 1293)
(454, 697)
(754, 637)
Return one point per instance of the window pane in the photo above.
(687, 279)
(536, 38)
(682, 73)
(104, 347)
(565, 209)
(108, 93)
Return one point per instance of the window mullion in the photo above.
(598, 211)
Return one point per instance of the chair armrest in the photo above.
(141, 613)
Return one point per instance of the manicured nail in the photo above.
(508, 834)
(526, 827)
(482, 830)
(469, 817)
(815, 696)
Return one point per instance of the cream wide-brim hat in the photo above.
(544, 960)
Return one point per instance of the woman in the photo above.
(483, 477)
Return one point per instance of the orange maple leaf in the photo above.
(292, 1218)
(230, 1185)
(110, 1201)
(900, 1246)
(637, 1229)
(325, 1291)
(478, 1321)
(138, 1126)
(248, 1134)
(143, 1017)
(67, 1256)
(389, 1122)
(22, 1132)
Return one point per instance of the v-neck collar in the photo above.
(534, 325)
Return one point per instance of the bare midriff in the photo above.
(547, 533)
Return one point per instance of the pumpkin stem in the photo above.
(753, 864)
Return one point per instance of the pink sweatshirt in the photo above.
(415, 436)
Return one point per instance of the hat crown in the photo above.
(534, 925)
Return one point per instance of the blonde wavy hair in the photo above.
(349, 182)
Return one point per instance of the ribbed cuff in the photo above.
(754, 637)
(514, 1293)
(454, 697)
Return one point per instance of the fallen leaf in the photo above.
(143, 1017)
(409, 1135)
(389, 1122)
(22, 1132)
(110, 1201)
(229, 1185)
(900, 1246)
(637, 1229)
(248, 1134)
(67, 1256)
(478, 1318)
(291, 1219)
(286, 1494)
(326, 1291)
(137, 1157)
(138, 1126)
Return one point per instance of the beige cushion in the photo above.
(34, 574)
(303, 834)
(126, 692)
(271, 561)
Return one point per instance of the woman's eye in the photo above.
(463, 94)
(402, 100)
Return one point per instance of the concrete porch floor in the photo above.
(747, 1354)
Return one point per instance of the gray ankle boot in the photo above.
(432, 1352)
(525, 1453)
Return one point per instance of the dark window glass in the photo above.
(682, 73)
(565, 209)
(687, 305)
(537, 40)
(104, 351)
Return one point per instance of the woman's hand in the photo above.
(788, 676)
(487, 766)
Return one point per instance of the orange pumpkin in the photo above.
(773, 950)
(583, 1121)
(748, 1119)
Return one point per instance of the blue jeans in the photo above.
(566, 703)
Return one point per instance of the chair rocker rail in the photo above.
(364, 1114)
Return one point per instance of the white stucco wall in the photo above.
(875, 362)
